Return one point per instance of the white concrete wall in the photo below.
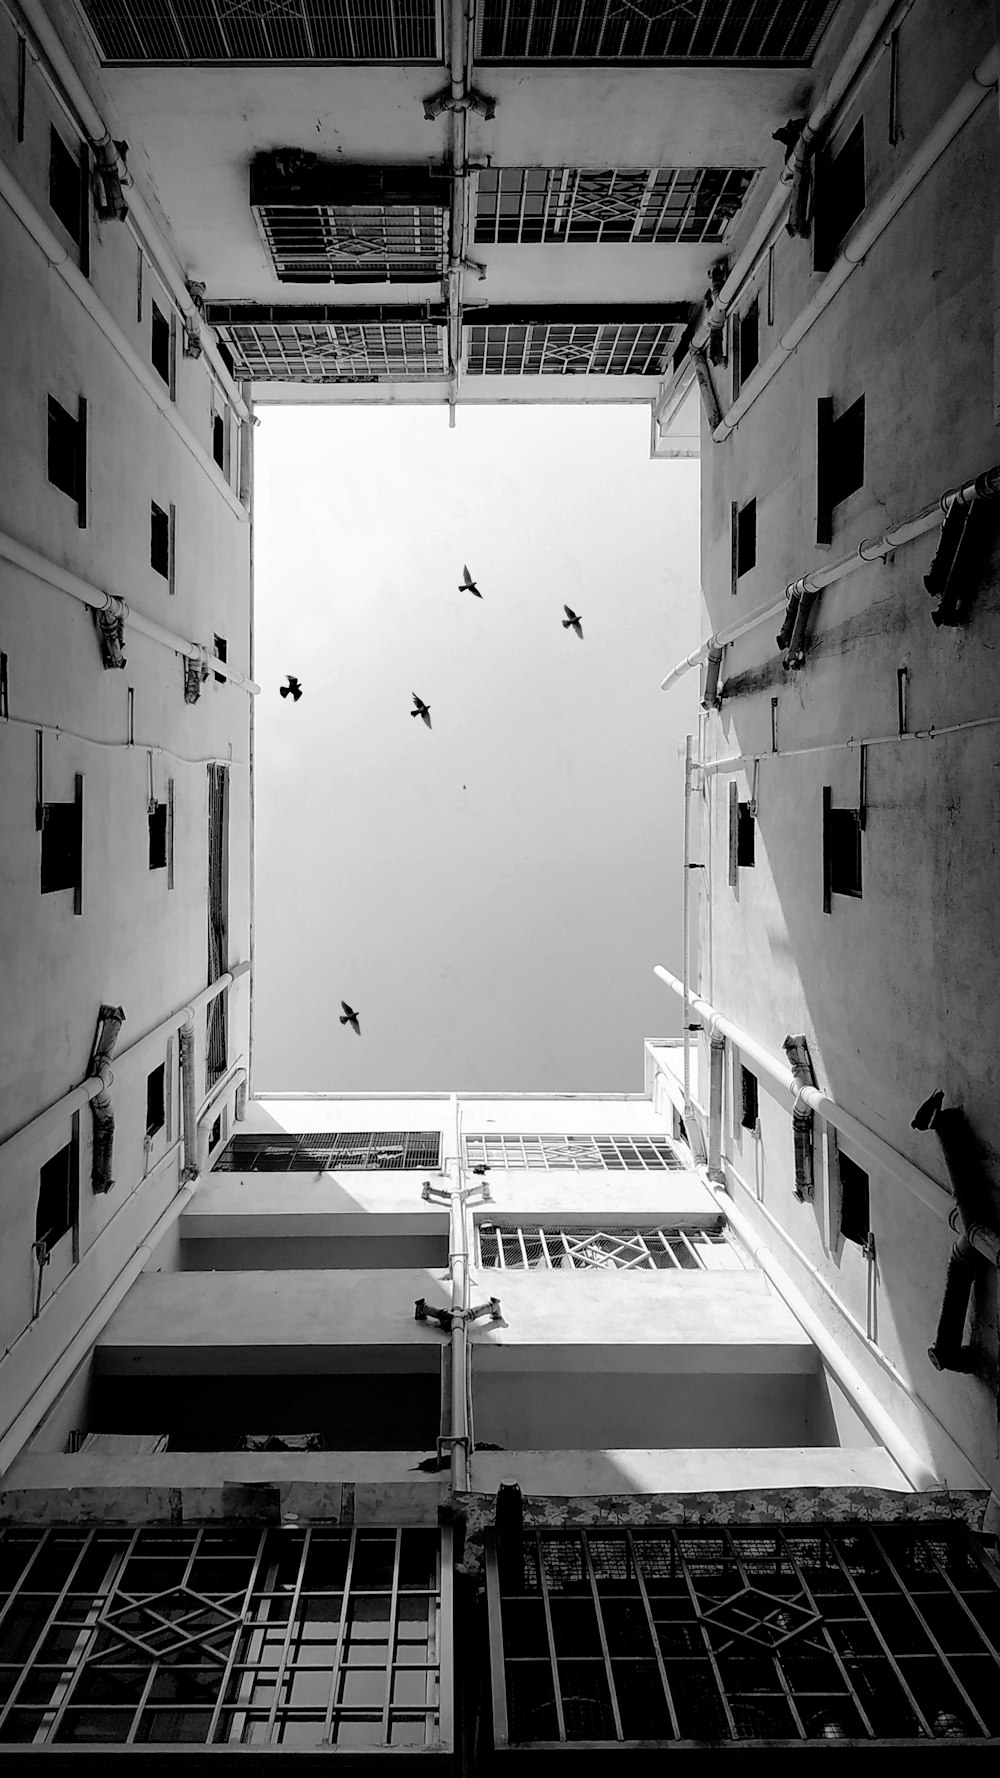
(895, 991)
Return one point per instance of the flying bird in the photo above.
(350, 1017)
(293, 686)
(468, 584)
(572, 622)
(422, 709)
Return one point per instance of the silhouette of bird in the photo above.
(422, 709)
(293, 686)
(468, 584)
(350, 1017)
(572, 622)
(789, 133)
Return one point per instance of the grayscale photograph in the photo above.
(499, 640)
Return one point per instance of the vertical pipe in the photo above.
(190, 1115)
(685, 935)
(717, 1056)
(458, 1260)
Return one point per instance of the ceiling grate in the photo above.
(370, 1151)
(576, 1152)
(322, 223)
(565, 204)
(524, 1247)
(555, 348)
(331, 351)
(265, 30)
(742, 32)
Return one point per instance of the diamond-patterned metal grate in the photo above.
(520, 1247)
(769, 32)
(378, 1151)
(583, 1153)
(174, 1621)
(566, 205)
(551, 348)
(330, 351)
(761, 1618)
(265, 30)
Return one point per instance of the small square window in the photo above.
(57, 1210)
(158, 836)
(62, 847)
(841, 851)
(745, 537)
(66, 459)
(159, 539)
(745, 834)
(219, 440)
(840, 459)
(840, 196)
(748, 1099)
(854, 1205)
(160, 344)
(66, 186)
(156, 1099)
(220, 655)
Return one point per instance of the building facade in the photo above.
(601, 1426)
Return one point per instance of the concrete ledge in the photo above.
(681, 1472)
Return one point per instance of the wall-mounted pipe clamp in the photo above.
(449, 1318)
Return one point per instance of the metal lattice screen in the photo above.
(265, 30)
(521, 1247)
(312, 1638)
(581, 1153)
(565, 204)
(740, 31)
(323, 222)
(372, 1151)
(550, 348)
(331, 351)
(756, 1633)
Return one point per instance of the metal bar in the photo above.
(237, 1641)
(706, 1640)
(873, 1626)
(602, 1634)
(498, 1677)
(791, 1559)
(391, 1645)
(928, 1632)
(653, 1637)
(282, 1661)
(775, 1655)
(946, 1577)
(547, 1607)
(545, 1248)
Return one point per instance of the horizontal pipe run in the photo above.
(59, 733)
(59, 70)
(868, 231)
(739, 761)
(928, 1191)
(64, 581)
(920, 1474)
(58, 258)
(50, 1121)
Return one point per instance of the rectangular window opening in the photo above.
(220, 655)
(4, 695)
(66, 457)
(156, 1099)
(840, 459)
(159, 539)
(62, 846)
(219, 440)
(160, 343)
(841, 850)
(58, 1208)
(854, 1202)
(747, 345)
(745, 834)
(746, 538)
(158, 836)
(66, 186)
(748, 1099)
(840, 196)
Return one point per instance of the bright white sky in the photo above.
(491, 895)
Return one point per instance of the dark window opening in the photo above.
(220, 655)
(746, 538)
(854, 1208)
(160, 344)
(158, 836)
(156, 1099)
(58, 1197)
(840, 459)
(227, 358)
(746, 344)
(4, 697)
(67, 453)
(745, 832)
(62, 847)
(841, 850)
(159, 540)
(840, 196)
(748, 1099)
(219, 440)
(216, 1135)
(66, 186)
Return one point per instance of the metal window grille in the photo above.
(811, 1633)
(326, 350)
(554, 204)
(371, 1151)
(265, 30)
(323, 223)
(269, 1638)
(581, 1153)
(521, 1247)
(550, 348)
(740, 31)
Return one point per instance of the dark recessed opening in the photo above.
(840, 459)
(58, 1197)
(845, 851)
(748, 1099)
(746, 538)
(854, 1208)
(159, 540)
(840, 196)
(160, 344)
(216, 1135)
(227, 358)
(61, 847)
(66, 186)
(747, 343)
(220, 655)
(156, 1099)
(158, 836)
(65, 443)
(219, 440)
(745, 832)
